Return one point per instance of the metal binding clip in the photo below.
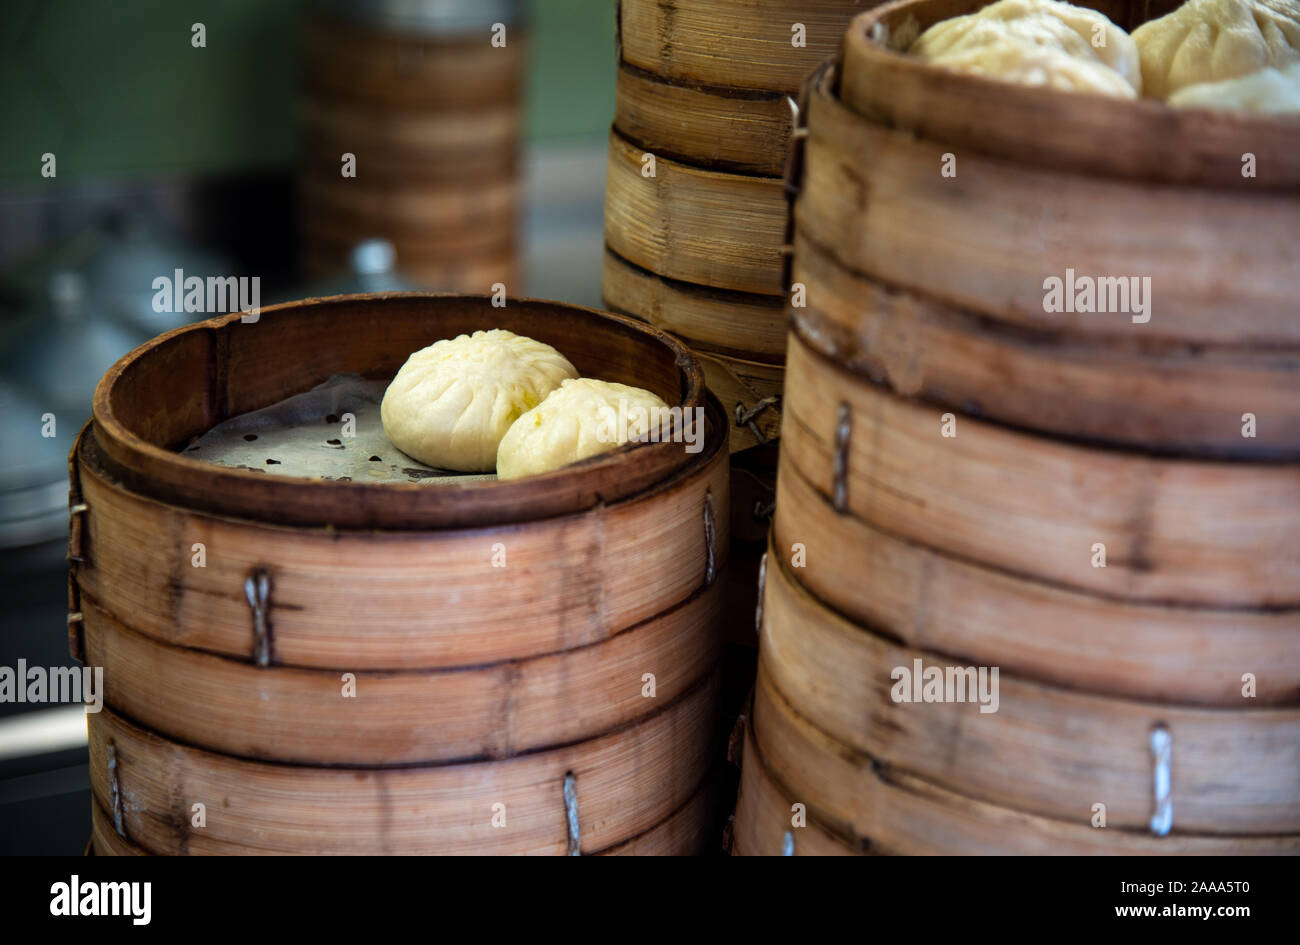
(710, 538)
(1162, 746)
(76, 621)
(257, 588)
(115, 790)
(75, 511)
(571, 813)
(840, 461)
(762, 583)
(746, 417)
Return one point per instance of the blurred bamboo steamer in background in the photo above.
(430, 109)
(696, 214)
(1102, 507)
(549, 645)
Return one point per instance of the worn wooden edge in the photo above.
(321, 716)
(625, 783)
(449, 597)
(1143, 139)
(736, 324)
(747, 45)
(745, 131)
(868, 806)
(990, 239)
(928, 600)
(1174, 531)
(1024, 744)
(683, 833)
(218, 342)
(695, 225)
(1173, 399)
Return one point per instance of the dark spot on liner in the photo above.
(376, 459)
(250, 437)
(331, 419)
(273, 462)
(334, 442)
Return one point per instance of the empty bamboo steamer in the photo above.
(409, 130)
(548, 644)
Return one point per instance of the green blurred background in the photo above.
(115, 89)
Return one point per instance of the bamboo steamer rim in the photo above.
(607, 477)
(695, 224)
(858, 804)
(1176, 531)
(930, 600)
(1044, 749)
(727, 43)
(1140, 139)
(681, 833)
(1159, 395)
(585, 577)
(736, 324)
(292, 714)
(742, 131)
(626, 782)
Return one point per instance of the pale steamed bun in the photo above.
(578, 420)
(1037, 42)
(452, 402)
(1213, 40)
(1269, 90)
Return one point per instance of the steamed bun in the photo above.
(580, 419)
(452, 402)
(1269, 90)
(1037, 42)
(1213, 40)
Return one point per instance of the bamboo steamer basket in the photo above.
(745, 131)
(1175, 530)
(693, 224)
(626, 782)
(739, 45)
(430, 110)
(1044, 750)
(411, 64)
(1095, 376)
(736, 324)
(389, 586)
(1125, 139)
(857, 804)
(683, 833)
(932, 601)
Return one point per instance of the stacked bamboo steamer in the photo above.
(298, 665)
(426, 97)
(695, 206)
(1105, 506)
